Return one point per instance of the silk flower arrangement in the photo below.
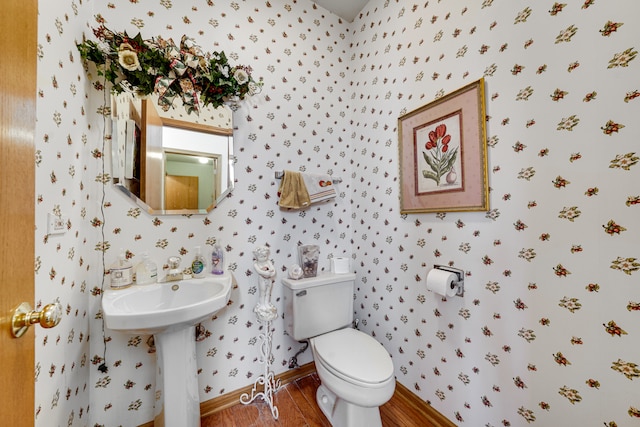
(159, 66)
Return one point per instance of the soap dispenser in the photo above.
(146, 271)
(121, 273)
(198, 265)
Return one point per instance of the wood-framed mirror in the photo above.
(167, 165)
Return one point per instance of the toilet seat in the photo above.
(354, 356)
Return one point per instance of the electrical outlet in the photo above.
(56, 224)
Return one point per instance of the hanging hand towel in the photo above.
(319, 186)
(293, 192)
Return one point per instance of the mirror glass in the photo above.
(169, 165)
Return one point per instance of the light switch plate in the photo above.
(56, 224)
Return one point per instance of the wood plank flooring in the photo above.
(297, 407)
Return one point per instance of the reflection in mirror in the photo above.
(195, 156)
(171, 166)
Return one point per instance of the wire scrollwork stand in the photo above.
(267, 380)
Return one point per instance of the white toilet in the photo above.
(355, 370)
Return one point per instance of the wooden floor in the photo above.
(297, 407)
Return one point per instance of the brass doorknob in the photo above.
(24, 316)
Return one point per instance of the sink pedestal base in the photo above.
(177, 398)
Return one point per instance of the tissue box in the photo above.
(340, 265)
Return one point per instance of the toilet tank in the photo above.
(317, 305)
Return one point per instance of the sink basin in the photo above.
(154, 308)
(170, 312)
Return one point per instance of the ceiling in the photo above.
(345, 9)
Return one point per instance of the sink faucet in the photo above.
(174, 270)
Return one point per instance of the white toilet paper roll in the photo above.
(340, 265)
(441, 282)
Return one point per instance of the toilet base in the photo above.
(341, 413)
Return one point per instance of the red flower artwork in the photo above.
(438, 156)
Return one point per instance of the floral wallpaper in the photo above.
(66, 265)
(545, 333)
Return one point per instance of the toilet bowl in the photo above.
(356, 375)
(356, 372)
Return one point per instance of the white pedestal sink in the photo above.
(170, 311)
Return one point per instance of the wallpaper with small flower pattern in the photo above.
(547, 331)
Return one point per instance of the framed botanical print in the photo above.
(443, 154)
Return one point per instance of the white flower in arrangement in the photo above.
(128, 58)
(241, 76)
(103, 46)
(224, 70)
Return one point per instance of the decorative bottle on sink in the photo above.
(217, 260)
(198, 265)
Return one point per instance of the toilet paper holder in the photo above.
(459, 284)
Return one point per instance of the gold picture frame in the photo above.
(443, 154)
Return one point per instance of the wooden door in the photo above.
(151, 156)
(181, 192)
(18, 41)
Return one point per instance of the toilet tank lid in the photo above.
(319, 280)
